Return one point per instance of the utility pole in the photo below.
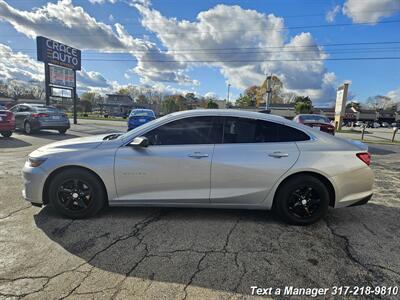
(268, 92)
(229, 86)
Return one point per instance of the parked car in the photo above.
(359, 124)
(318, 122)
(396, 124)
(138, 117)
(34, 117)
(385, 124)
(7, 122)
(204, 158)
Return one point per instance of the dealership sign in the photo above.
(52, 52)
(62, 76)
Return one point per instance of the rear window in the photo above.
(46, 110)
(315, 118)
(142, 113)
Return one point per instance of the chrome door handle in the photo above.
(198, 155)
(278, 154)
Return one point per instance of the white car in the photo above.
(204, 158)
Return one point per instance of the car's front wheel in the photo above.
(77, 193)
(302, 200)
(62, 131)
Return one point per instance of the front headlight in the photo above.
(36, 161)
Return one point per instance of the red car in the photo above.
(7, 122)
(318, 122)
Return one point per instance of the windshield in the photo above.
(142, 113)
(314, 118)
(133, 132)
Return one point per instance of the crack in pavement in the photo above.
(134, 233)
(353, 258)
(194, 274)
(15, 212)
(137, 228)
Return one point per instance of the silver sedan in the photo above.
(204, 158)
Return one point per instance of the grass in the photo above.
(353, 131)
(89, 117)
(378, 142)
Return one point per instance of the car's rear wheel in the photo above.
(28, 128)
(6, 133)
(302, 200)
(62, 131)
(77, 193)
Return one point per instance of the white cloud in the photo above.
(331, 14)
(370, 10)
(234, 28)
(62, 21)
(211, 95)
(394, 95)
(102, 1)
(19, 66)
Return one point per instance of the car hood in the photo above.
(89, 142)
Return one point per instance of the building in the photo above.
(286, 110)
(9, 102)
(6, 101)
(118, 105)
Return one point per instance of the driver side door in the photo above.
(174, 168)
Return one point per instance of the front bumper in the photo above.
(34, 179)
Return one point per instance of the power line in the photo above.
(338, 51)
(241, 60)
(234, 48)
(187, 31)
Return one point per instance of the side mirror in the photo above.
(140, 141)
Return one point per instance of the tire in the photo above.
(28, 127)
(6, 133)
(289, 201)
(77, 193)
(62, 131)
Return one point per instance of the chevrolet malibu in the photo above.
(203, 158)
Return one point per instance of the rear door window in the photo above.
(243, 130)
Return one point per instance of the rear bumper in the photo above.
(50, 125)
(353, 188)
(362, 201)
(7, 127)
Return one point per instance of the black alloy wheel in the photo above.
(304, 202)
(77, 193)
(301, 200)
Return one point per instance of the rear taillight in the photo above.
(365, 157)
(40, 115)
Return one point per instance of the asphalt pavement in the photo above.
(151, 253)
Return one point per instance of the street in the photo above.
(152, 253)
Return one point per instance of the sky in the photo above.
(178, 46)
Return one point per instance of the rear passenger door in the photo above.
(253, 155)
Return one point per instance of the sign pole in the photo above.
(75, 100)
(47, 83)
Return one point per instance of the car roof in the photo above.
(230, 112)
(307, 115)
